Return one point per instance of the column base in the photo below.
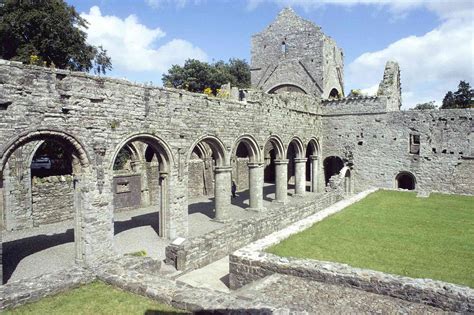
(255, 209)
(224, 221)
(299, 195)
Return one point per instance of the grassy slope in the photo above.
(95, 298)
(396, 232)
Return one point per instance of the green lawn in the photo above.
(95, 298)
(397, 233)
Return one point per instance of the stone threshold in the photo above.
(251, 263)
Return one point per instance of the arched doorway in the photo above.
(405, 180)
(332, 166)
(42, 175)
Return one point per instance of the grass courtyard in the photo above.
(398, 233)
(95, 298)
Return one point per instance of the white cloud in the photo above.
(430, 64)
(444, 8)
(132, 46)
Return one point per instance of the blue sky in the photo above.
(432, 40)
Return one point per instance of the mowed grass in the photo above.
(95, 298)
(397, 233)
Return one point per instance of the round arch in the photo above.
(313, 146)
(217, 147)
(44, 134)
(278, 146)
(405, 180)
(346, 178)
(251, 145)
(286, 87)
(298, 147)
(158, 144)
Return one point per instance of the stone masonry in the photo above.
(95, 117)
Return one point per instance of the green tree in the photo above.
(52, 32)
(195, 75)
(462, 98)
(424, 106)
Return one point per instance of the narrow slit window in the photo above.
(283, 47)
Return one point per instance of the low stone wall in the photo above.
(52, 199)
(251, 263)
(30, 290)
(200, 251)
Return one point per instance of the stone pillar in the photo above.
(281, 180)
(163, 228)
(300, 176)
(255, 186)
(314, 173)
(222, 192)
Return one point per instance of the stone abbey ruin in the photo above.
(293, 134)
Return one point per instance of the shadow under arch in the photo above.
(277, 144)
(252, 147)
(332, 166)
(298, 148)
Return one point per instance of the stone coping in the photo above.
(251, 263)
(33, 289)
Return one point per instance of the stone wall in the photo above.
(202, 250)
(127, 192)
(200, 178)
(96, 116)
(378, 145)
(52, 199)
(240, 173)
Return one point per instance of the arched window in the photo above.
(334, 94)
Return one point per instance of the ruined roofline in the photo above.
(291, 14)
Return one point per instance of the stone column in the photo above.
(281, 180)
(314, 173)
(300, 176)
(255, 186)
(222, 192)
(163, 228)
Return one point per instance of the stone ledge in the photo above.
(251, 263)
(33, 289)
